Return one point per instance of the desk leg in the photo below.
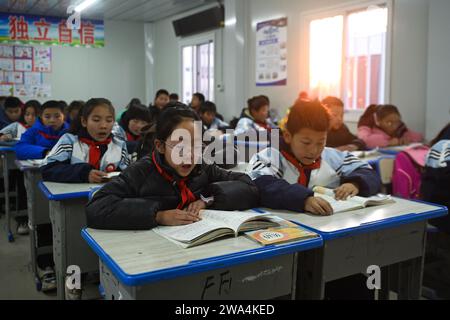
(38, 214)
(6, 186)
(310, 284)
(410, 274)
(58, 230)
(386, 283)
(294, 276)
(68, 218)
(410, 279)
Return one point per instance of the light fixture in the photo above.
(85, 4)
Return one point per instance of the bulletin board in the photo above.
(22, 70)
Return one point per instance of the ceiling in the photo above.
(128, 10)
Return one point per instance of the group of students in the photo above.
(154, 189)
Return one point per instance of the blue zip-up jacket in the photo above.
(37, 140)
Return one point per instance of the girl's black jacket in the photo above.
(131, 201)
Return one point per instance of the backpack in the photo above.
(408, 168)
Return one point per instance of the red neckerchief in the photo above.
(132, 137)
(302, 179)
(25, 125)
(187, 196)
(265, 125)
(48, 137)
(94, 150)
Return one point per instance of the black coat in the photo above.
(131, 201)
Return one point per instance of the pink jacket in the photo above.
(374, 137)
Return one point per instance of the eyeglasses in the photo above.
(182, 149)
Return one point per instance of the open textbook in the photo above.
(216, 224)
(352, 203)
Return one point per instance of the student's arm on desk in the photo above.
(27, 149)
(117, 206)
(279, 194)
(368, 181)
(371, 138)
(64, 172)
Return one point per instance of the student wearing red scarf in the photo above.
(89, 151)
(285, 177)
(168, 186)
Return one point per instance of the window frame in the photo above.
(196, 40)
(345, 9)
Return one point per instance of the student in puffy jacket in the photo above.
(171, 185)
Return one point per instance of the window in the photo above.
(198, 70)
(348, 57)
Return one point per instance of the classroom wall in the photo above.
(162, 55)
(438, 97)
(115, 72)
(409, 54)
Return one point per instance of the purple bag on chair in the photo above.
(408, 168)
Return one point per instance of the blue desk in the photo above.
(144, 265)
(8, 155)
(67, 216)
(391, 236)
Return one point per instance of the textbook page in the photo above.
(351, 203)
(211, 220)
(190, 232)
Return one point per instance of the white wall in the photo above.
(115, 72)
(438, 98)
(409, 52)
(409, 61)
(162, 55)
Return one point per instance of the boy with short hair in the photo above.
(12, 111)
(208, 114)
